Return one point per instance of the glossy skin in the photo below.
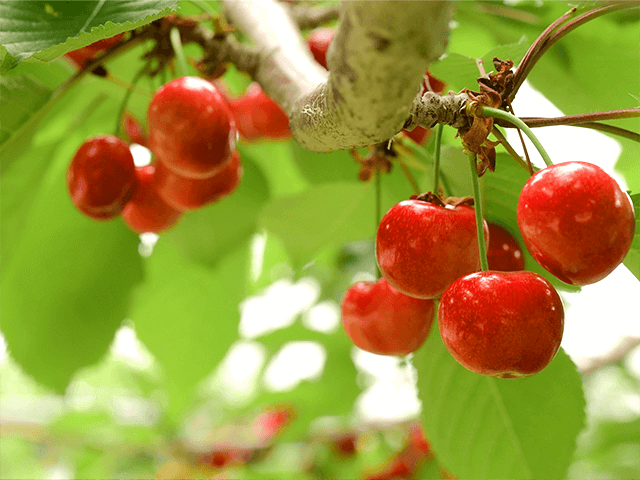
(504, 253)
(191, 194)
(101, 177)
(381, 320)
(258, 116)
(82, 55)
(576, 221)
(147, 212)
(191, 129)
(133, 129)
(502, 324)
(422, 248)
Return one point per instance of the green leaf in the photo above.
(632, 260)
(319, 216)
(207, 235)
(68, 285)
(187, 316)
(483, 427)
(65, 26)
(23, 102)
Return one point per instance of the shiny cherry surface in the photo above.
(191, 193)
(258, 116)
(381, 320)
(101, 177)
(576, 221)
(147, 212)
(422, 248)
(502, 324)
(504, 253)
(191, 129)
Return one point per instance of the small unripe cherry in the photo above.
(191, 129)
(101, 177)
(193, 193)
(381, 320)
(146, 211)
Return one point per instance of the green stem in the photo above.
(477, 204)
(176, 43)
(436, 168)
(484, 111)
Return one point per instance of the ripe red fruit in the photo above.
(504, 252)
(191, 129)
(146, 211)
(576, 221)
(258, 116)
(346, 444)
(133, 129)
(101, 177)
(502, 324)
(381, 320)
(82, 55)
(192, 193)
(422, 247)
(318, 42)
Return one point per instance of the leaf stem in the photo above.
(484, 111)
(436, 166)
(477, 205)
(176, 43)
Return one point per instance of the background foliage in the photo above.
(68, 283)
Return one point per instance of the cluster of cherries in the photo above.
(504, 322)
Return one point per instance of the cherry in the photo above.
(504, 252)
(191, 129)
(379, 319)
(133, 129)
(191, 193)
(258, 116)
(318, 42)
(422, 247)
(101, 177)
(576, 221)
(146, 211)
(502, 324)
(82, 55)
(346, 444)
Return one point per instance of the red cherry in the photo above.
(379, 319)
(502, 324)
(191, 193)
(346, 444)
(422, 247)
(417, 439)
(101, 177)
(318, 42)
(576, 221)
(146, 211)
(191, 128)
(504, 252)
(258, 116)
(133, 129)
(82, 55)
(270, 423)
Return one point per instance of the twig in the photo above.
(311, 17)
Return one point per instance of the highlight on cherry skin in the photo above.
(502, 324)
(191, 129)
(101, 177)
(421, 247)
(379, 319)
(504, 252)
(576, 221)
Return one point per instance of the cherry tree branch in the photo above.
(311, 17)
(376, 61)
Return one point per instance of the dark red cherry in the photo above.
(133, 129)
(504, 253)
(318, 42)
(191, 129)
(101, 177)
(146, 211)
(258, 116)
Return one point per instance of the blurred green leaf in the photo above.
(187, 316)
(68, 285)
(482, 427)
(632, 260)
(19, 459)
(66, 26)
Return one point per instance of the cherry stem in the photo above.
(127, 95)
(410, 179)
(436, 166)
(505, 143)
(176, 43)
(483, 111)
(477, 205)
